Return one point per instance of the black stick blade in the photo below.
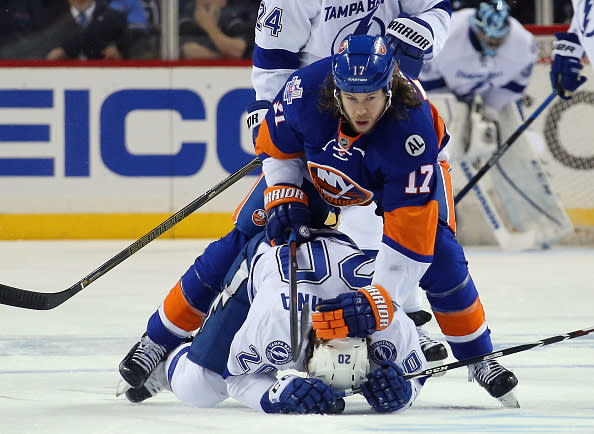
(24, 299)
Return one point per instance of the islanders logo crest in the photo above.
(337, 188)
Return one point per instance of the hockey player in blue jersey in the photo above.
(290, 35)
(372, 136)
(364, 133)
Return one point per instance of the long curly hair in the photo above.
(404, 97)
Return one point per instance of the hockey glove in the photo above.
(567, 63)
(354, 314)
(410, 39)
(286, 208)
(256, 114)
(385, 389)
(292, 394)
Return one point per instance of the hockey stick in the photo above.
(495, 354)
(44, 301)
(293, 303)
(503, 148)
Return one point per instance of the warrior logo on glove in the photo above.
(353, 314)
(413, 37)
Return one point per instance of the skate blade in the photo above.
(122, 388)
(436, 364)
(509, 400)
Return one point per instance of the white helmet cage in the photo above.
(340, 363)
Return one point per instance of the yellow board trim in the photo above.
(109, 226)
(581, 216)
(134, 226)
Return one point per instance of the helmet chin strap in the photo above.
(343, 113)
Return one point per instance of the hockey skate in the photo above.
(496, 380)
(155, 383)
(140, 361)
(435, 352)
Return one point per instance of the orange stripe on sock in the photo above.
(179, 312)
(462, 323)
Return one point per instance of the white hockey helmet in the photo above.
(340, 363)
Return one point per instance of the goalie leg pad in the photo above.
(526, 193)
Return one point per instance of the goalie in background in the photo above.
(480, 75)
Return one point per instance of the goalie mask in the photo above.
(490, 25)
(340, 363)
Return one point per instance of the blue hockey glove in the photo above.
(292, 394)
(385, 389)
(286, 208)
(410, 39)
(256, 113)
(353, 314)
(567, 63)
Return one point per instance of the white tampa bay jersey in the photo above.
(583, 25)
(292, 34)
(461, 69)
(327, 266)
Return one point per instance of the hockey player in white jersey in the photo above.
(570, 47)
(207, 371)
(485, 65)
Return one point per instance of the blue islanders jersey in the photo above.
(399, 163)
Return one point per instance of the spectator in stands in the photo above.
(134, 11)
(220, 30)
(93, 31)
(136, 17)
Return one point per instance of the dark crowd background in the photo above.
(30, 29)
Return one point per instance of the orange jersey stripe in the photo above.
(449, 191)
(179, 312)
(413, 227)
(238, 209)
(438, 125)
(462, 323)
(264, 145)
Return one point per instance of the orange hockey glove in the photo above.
(354, 314)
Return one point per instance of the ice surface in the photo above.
(58, 368)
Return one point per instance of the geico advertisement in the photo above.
(121, 140)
